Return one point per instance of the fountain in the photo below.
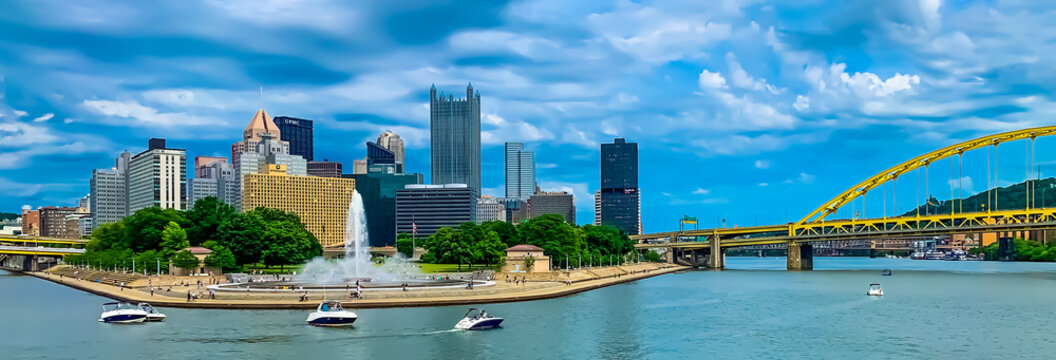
(356, 267)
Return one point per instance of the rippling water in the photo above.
(932, 309)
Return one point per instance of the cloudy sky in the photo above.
(750, 111)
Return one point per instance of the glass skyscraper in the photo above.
(454, 150)
(620, 196)
(520, 172)
(298, 132)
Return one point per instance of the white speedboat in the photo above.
(152, 314)
(330, 313)
(475, 320)
(122, 313)
(875, 290)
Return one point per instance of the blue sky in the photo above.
(751, 111)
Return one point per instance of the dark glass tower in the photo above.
(454, 126)
(298, 132)
(620, 197)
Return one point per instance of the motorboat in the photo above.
(122, 313)
(331, 313)
(153, 315)
(886, 272)
(478, 320)
(875, 290)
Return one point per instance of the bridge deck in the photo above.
(28, 250)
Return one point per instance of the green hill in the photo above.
(1004, 198)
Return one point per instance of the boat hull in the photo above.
(479, 324)
(124, 318)
(332, 318)
(155, 318)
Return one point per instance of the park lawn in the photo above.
(450, 268)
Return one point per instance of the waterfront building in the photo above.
(76, 223)
(378, 188)
(85, 225)
(392, 141)
(428, 208)
(325, 168)
(30, 221)
(297, 132)
(157, 177)
(516, 257)
(53, 221)
(490, 208)
(213, 177)
(520, 172)
(108, 190)
(559, 202)
(454, 127)
(620, 196)
(321, 202)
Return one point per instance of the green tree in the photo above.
(405, 245)
(185, 260)
(243, 234)
(205, 219)
(143, 229)
(148, 260)
(550, 232)
(489, 249)
(173, 239)
(448, 246)
(529, 262)
(221, 258)
(288, 243)
(210, 244)
(507, 232)
(108, 236)
(652, 256)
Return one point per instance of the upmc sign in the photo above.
(630, 191)
(293, 122)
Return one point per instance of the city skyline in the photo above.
(778, 105)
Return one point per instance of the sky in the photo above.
(750, 111)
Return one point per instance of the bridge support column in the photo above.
(717, 259)
(800, 256)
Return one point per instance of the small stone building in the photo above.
(200, 253)
(516, 256)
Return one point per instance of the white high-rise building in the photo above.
(157, 178)
(490, 208)
(213, 177)
(108, 197)
(392, 142)
(520, 172)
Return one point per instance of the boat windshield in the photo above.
(330, 306)
(118, 306)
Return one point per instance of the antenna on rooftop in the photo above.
(261, 97)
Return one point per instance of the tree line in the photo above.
(1025, 250)
(470, 244)
(152, 235)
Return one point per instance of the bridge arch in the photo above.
(924, 160)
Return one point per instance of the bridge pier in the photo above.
(800, 256)
(717, 258)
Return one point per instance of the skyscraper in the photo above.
(454, 150)
(261, 146)
(297, 132)
(213, 176)
(378, 186)
(392, 141)
(376, 154)
(325, 168)
(424, 209)
(109, 192)
(157, 178)
(558, 202)
(520, 172)
(620, 198)
(321, 202)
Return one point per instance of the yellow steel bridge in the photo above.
(814, 228)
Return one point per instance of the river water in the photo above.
(932, 310)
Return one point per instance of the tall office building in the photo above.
(325, 168)
(620, 196)
(261, 146)
(559, 202)
(297, 132)
(213, 176)
(109, 192)
(321, 202)
(490, 208)
(392, 142)
(381, 156)
(454, 126)
(157, 178)
(428, 208)
(520, 172)
(378, 188)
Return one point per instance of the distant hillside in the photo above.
(8, 216)
(1011, 197)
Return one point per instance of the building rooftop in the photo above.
(198, 250)
(525, 247)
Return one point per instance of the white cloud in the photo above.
(740, 78)
(502, 131)
(762, 164)
(144, 115)
(17, 134)
(664, 193)
(171, 97)
(802, 103)
(701, 191)
(44, 117)
(19, 113)
(964, 183)
(655, 35)
(711, 80)
(763, 184)
(805, 178)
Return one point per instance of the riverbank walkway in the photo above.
(171, 291)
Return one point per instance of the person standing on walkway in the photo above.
(188, 296)
(122, 286)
